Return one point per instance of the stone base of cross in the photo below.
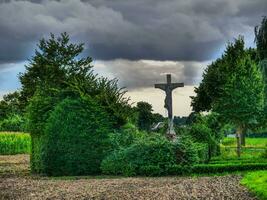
(168, 88)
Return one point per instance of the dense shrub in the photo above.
(126, 136)
(155, 152)
(14, 143)
(12, 123)
(75, 139)
(186, 152)
(151, 156)
(201, 133)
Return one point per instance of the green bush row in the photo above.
(14, 143)
(219, 168)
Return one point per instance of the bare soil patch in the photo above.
(16, 183)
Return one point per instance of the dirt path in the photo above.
(16, 185)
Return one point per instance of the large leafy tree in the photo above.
(241, 97)
(261, 42)
(10, 105)
(261, 39)
(56, 60)
(58, 70)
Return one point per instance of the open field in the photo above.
(14, 143)
(16, 183)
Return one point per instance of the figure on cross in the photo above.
(168, 88)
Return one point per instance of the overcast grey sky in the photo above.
(136, 41)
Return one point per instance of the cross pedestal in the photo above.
(168, 88)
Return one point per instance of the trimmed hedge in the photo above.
(219, 168)
(75, 140)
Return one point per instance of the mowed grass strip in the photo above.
(257, 183)
(250, 142)
(14, 143)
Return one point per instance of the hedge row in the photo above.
(151, 170)
(219, 168)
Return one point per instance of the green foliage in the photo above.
(261, 38)
(186, 151)
(126, 136)
(150, 156)
(56, 61)
(14, 143)
(39, 108)
(257, 183)
(145, 117)
(264, 154)
(10, 105)
(12, 123)
(236, 62)
(76, 138)
(139, 157)
(242, 95)
(250, 142)
(227, 167)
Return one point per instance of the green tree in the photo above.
(145, 117)
(56, 61)
(261, 39)
(10, 105)
(242, 94)
(261, 42)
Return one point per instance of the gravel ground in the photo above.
(16, 183)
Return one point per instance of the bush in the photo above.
(14, 143)
(126, 136)
(231, 167)
(12, 123)
(186, 152)
(75, 139)
(202, 134)
(151, 156)
(154, 152)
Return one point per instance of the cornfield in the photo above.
(14, 143)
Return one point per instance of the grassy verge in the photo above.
(257, 183)
(250, 142)
(14, 143)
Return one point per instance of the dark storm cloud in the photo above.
(142, 29)
(145, 73)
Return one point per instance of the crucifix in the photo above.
(168, 88)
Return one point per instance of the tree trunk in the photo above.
(243, 138)
(238, 140)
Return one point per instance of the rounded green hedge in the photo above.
(151, 157)
(76, 138)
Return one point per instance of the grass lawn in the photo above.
(253, 151)
(257, 183)
(250, 142)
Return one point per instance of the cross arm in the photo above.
(161, 86)
(176, 85)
